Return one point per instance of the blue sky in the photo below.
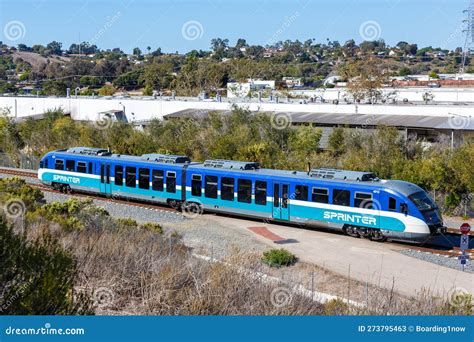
(183, 25)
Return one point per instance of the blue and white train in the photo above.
(355, 202)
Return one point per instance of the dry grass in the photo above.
(147, 273)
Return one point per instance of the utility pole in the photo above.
(469, 32)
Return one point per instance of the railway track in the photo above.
(452, 252)
(111, 199)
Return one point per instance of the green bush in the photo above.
(278, 258)
(16, 188)
(336, 307)
(37, 277)
(107, 90)
(126, 223)
(71, 215)
(153, 227)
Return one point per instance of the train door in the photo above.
(281, 208)
(105, 179)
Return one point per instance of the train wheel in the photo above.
(192, 209)
(174, 204)
(351, 231)
(377, 236)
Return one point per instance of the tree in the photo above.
(157, 76)
(336, 142)
(137, 51)
(107, 90)
(404, 71)
(130, 80)
(23, 47)
(56, 88)
(157, 52)
(365, 78)
(219, 44)
(3, 73)
(241, 43)
(54, 48)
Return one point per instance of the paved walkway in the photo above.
(377, 263)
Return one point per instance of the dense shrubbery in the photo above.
(37, 276)
(246, 136)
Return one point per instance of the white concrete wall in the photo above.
(145, 109)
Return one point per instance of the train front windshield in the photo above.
(422, 201)
(427, 207)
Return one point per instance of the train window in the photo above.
(102, 167)
(320, 195)
(91, 170)
(118, 175)
(171, 181)
(210, 186)
(81, 167)
(392, 204)
(276, 195)
(341, 197)
(301, 193)
(157, 181)
(131, 177)
(284, 196)
(227, 189)
(59, 164)
(363, 200)
(144, 179)
(260, 193)
(244, 191)
(196, 185)
(70, 165)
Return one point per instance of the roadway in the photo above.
(379, 264)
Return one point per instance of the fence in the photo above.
(24, 161)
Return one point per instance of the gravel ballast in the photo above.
(442, 260)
